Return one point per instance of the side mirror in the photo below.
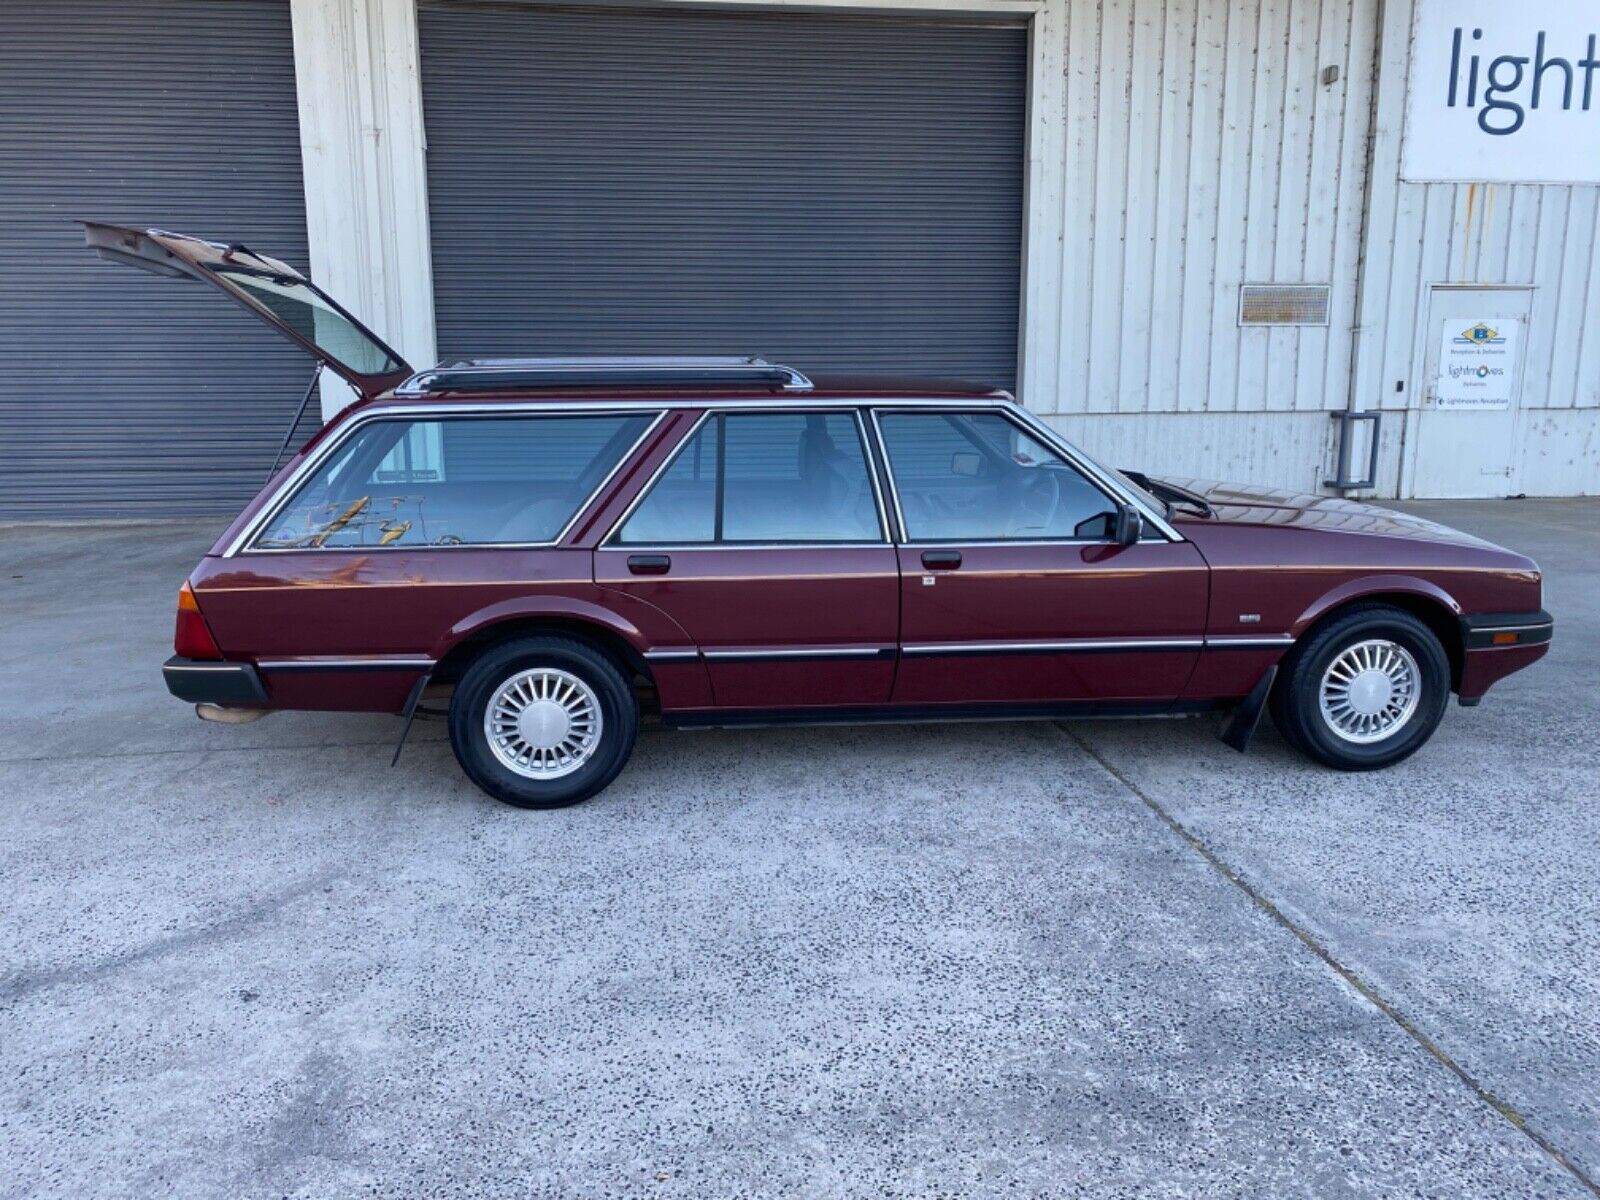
(965, 463)
(1127, 526)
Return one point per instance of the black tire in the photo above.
(618, 730)
(1295, 703)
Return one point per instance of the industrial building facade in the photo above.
(1220, 238)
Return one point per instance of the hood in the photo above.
(1250, 504)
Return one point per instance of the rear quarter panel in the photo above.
(422, 602)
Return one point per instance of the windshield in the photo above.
(311, 315)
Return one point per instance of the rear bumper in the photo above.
(222, 683)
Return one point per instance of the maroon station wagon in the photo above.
(557, 545)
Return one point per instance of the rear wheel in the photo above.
(543, 722)
(1365, 690)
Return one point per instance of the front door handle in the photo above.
(649, 564)
(941, 560)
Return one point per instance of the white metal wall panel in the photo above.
(1204, 151)
(1544, 236)
(125, 394)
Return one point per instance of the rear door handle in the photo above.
(649, 564)
(941, 560)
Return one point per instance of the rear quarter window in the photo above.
(454, 481)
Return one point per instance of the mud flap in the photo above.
(1241, 726)
(410, 712)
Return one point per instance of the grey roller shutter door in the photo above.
(124, 394)
(840, 194)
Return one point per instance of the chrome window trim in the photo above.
(286, 491)
(609, 542)
(867, 461)
(689, 404)
(997, 400)
(1097, 478)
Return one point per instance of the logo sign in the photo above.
(1504, 93)
(1477, 365)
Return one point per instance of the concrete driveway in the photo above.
(1106, 959)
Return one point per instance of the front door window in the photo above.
(978, 477)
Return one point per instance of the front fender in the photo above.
(1374, 585)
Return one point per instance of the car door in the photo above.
(1013, 589)
(764, 538)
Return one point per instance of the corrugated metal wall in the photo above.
(1544, 236)
(1203, 151)
(124, 394)
(842, 194)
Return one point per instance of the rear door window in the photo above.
(455, 481)
(762, 479)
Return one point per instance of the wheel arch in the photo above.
(591, 624)
(1429, 603)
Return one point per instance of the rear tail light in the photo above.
(193, 638)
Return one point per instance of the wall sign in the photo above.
(1478, 365)
(1503, 93)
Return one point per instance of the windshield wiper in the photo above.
(1167, 493)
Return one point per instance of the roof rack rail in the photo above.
(501, 374)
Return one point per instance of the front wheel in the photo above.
(1365, 690)
(543, 722)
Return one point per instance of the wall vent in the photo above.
(1284, 303)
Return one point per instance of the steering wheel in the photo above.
(1038, 495)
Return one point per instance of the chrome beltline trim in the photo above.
(697, 547)
(789, 652)
(341, 663)
(1055, 647)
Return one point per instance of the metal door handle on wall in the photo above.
(1346, 421)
